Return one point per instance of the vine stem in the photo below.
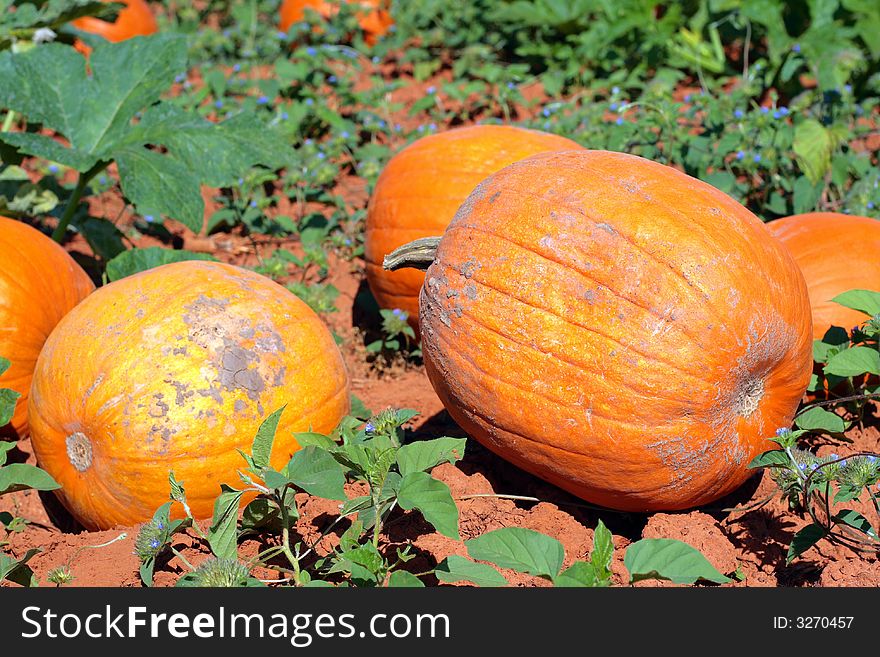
(72, 203)
(181, 557)
(418, 254)
(285, 536)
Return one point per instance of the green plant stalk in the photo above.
(72, 203)
(8, 121)
(181, 557)
(285, 538)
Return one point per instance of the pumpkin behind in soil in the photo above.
(39, 284)
(136, 19)
(374, 19)
(616, 327)
(174, 369)
(836, 253)
(421, 188)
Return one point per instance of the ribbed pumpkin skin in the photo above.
(836, 253)
(175, 368)
(39, 284)
(375, 20)
(135, 20)
(422, 187)
(617, 328)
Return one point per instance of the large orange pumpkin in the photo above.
(136, 19)
(39, 284)
(421, 188)
(175, 368)
(836, 253)
(616, 327)
(374, 20)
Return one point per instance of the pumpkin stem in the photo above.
(418, 254)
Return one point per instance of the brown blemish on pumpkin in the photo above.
(494, 196)
(79, 451)
(158, 408)
(470, 267)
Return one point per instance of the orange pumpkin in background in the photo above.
(616, 327)
(374, 19)
(836, 253)
(175, 368)
(422, 187)
(136, 19)
(39, 284)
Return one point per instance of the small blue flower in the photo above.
(240, 182)
(740, 155)
(149, 218)
(321, 155)
(102, 180)
(311, 51)
(757, 158)
(781, 431)
(180, 78)
(739, 114)
(421, 128)
(545, 111)
(871, 459)
(396, 312)
(310, 101)
(282, 36)
(615, 90)
(347, 241)
(344, 134)
(236, 67)
(369, 427)
(833, 457)
(154, 543)
(619, 120)
(612, 107)
(432, 126)
(381, 123)
(511, 85)
(253, 204)
(262, 100)
(796, 47)
(308, 142)
(226, 33)
(687, 97)
(398, 127)
(870, 205)
(54, 168)
(376, 59)
(284, 116)
(847, 88)
(331, 79)
(160, 525)
(764, 110)
(431, 90)
(218, 104)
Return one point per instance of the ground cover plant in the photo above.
(236, 134)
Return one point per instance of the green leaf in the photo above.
(853, 362)
(455, 568)
(864, 301)
(773, 458)
(812, 145)
(856, 520)
(804, 540)
(223, 533)
(317, 472)
(310, 438)
(261, 449)
(4, 448)
(423, 455)
(20, 476)
(603, 549)
(668, 558)
(579, 574)
(4, 365)
(17, 570)
(419, 490)
(138, 260)
(146, 571)
(404, 579)
(817, 418)
(150, 179)
(524, 550)
(8, 400)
